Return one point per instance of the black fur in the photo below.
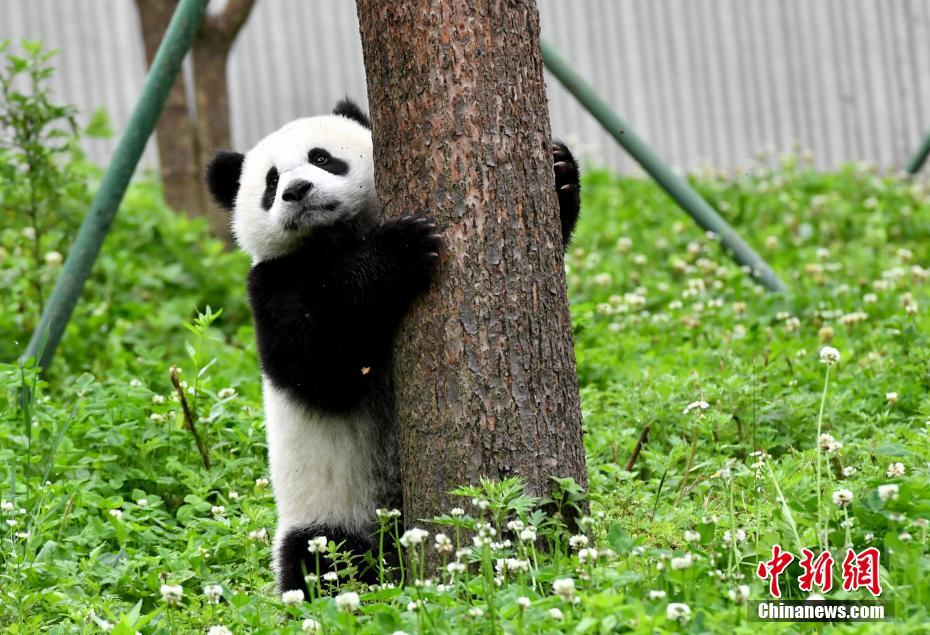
(271, 188)
(568, 188)
(325, 316)
(294, 559)
(222, 176)
(348, 108)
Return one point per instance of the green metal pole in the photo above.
(689, 200)
(83, 253)
(920, 157)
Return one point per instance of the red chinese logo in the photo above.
(817, 571)
(773, 568)
(860, 570)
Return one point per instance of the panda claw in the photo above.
(568, 187)
(561, 167)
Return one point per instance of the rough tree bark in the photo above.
(485, 366)
(185, 144)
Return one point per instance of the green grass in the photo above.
(111, 499)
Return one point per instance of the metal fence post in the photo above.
(689, 200)
(83, 253)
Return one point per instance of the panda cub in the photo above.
(328, 287)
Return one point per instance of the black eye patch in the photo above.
(271, 188)
(318, 157)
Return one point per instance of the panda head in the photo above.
(313, 173)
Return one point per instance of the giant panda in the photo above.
(328, 287)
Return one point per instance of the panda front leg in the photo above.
(568, 189)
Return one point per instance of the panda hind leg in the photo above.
(294, 560)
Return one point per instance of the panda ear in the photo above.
(222, 177)
(348, 108)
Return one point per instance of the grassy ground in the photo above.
(107, 505)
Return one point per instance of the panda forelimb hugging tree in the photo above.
(328, 287)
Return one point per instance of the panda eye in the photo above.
(271, 179)
(318, 156)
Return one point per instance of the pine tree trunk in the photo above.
(486, 383)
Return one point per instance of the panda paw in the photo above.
(565, 168)
(412, 240)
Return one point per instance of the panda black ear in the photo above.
(222, 177)
(348, 108)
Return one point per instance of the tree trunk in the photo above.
(174, 134)
(185, 145)
(485, 369)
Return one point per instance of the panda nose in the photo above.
(296, 191)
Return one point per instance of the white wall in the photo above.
(712, 80)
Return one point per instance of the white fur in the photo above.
(323, 467)
(260, 232)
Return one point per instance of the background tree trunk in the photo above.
(185, 145)
(485, 366)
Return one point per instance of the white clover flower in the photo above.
(261, 483)
(317, 545)
(12, 522)
(827, 443)
(260, 534)
(394, 513)
(455, 567)
(413, 537)
(656, 594)
(829, 355)
(891, 398)
(691, 535)
(624, 244)
(888, 492)
(7, 506)
(331, 576)
(348, 601)
(697, 406)
(292, 598)
(156, 417)
(142, 502)
(587, 554)
(106, 626)
(523, 602)
(564, 588)
(171, 593)
(310, 625)
(218, 511)
(578, 540)
(233, 495)
(849, 471)
(219, 629)
(480, 503)
(442, 543)
(905, 537)
(603, 279)
(678, 612)
(528, 534)
(413, 606)
(740, 594)
(556, 614)
(135, 383)
(896, 470)
(740, 536)
(516, 526)
(226, 393)
(158, 399)
(842, 497)
(54, 258)
(682, 562)
(116, 513)
(476, 611)
(213, 592)
(457, 511)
